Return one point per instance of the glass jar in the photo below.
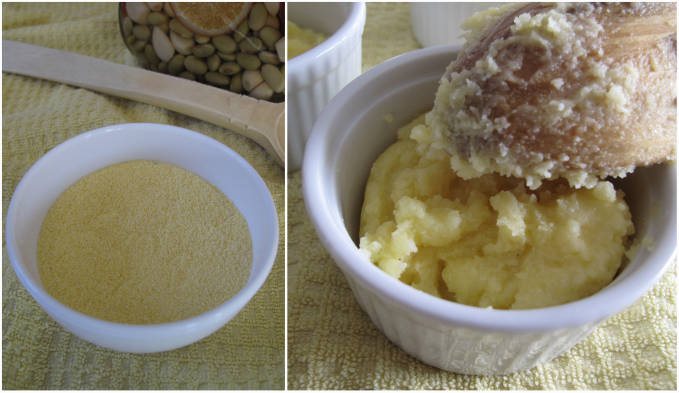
(235, 46)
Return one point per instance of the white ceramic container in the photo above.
(315, 76)
(439, 23)
(65, 164)
(349, 136)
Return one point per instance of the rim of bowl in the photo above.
(334, 237)
(355, 20)
(167, 329)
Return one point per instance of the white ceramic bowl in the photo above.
(439, 23)
(93, 150)
(315, 76)
(349, 136)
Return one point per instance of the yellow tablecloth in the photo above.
(332, 344)
(248, 353)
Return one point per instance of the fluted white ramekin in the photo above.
(351, 133)
(439, 23)
(315, 76)
(83, 154)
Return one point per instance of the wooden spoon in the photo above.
(261, 121)
(524, 101)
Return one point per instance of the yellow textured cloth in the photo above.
(248, 353)
(332, 344)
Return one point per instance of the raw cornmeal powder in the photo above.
(143, 242)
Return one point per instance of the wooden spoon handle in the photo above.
(261, 121)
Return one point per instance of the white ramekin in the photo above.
(314, 77)
(348, 137)
(439, 23)
(93, 150)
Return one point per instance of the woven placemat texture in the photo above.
(332, 344)
(248, 353)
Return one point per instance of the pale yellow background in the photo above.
(248, 353)
(333, 345)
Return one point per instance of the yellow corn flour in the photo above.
(301, 40)
(143, 242)
(488, 241)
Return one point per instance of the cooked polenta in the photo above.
(488, 241)
(301, 40)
